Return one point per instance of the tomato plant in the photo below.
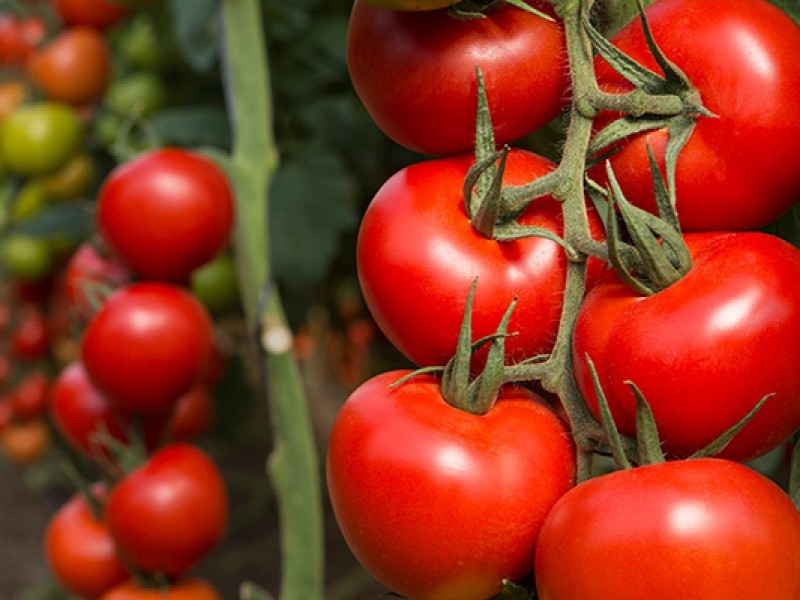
(411, 4)
(180, 494)
(705, 350)
(415, 73)
(738, 169)
(703, 529)
(74, 179)
(80, 550)
(90, 276)
(166, 212)
(186, 589)
(147, 345)
(417, 291)
(397, 457)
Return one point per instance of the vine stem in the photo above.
(293, 464)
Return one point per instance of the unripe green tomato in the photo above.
(30, 199)
(37, 139)
(26, 257)
(140, 94)
(72, 180)
(139, 44)
(411, 5)
(216, 286)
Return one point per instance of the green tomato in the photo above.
(216, 286)
(29, 201)
(411, 5)
(37, 139)
(140, 94)
(26, 257)
(140, 46)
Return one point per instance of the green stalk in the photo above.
(293, 464)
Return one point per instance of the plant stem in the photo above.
(293, 464)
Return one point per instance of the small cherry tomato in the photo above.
(25, 442)
(186, 589)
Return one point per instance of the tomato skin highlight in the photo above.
(702, 529)
(738, 170)
(415, 74)
(705, 350)
(439, 503)
(418, 255)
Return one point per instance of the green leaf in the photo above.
(790, 7)
(71, 218)
(196, 27)
(313, 204)
(193, 126)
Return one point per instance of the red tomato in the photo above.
(147, 346)
(6, 369)
(415, 73)
(166, 213)
(83, 415)
(187, 589)
(167, 514)
(29, 398)
(440, 503)
(193, 414)
(19, 37)
(418, 255)
(6, 411)
(80, 550)
(99, 14)
(75, 67)
(89, 276)
(738, 170)
(705, 350)
(30, 340)
(703, 529)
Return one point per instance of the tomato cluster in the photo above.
(438, 499)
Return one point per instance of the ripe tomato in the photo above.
(89, 276)
(19, 36)
(30, 340)
(705, 350)
(439, 503)
(29, 397)
(411, 4)
(193, 414)
(147, 345)
(738, 170)
(167, 514)
(703, 529)
(80, 550)
(418, 255)
(415, 73)
(99, 14)
(186, 589)
(38, 138)
(6, 368)
(75, 67)
(25, 442)
(166, 212)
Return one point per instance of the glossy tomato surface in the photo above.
(705, 350)
(99, 14)
(180, 495)
(439, 503)
(147, 346)
(739, 169)
(166, 212)
(80, 550)
(90, 276)
(704, 529)
(418, 255)
(415, 73)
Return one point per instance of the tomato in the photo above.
(738, 170)
(26, 257)
(440, 503)
(187, 589)
(705, 350)
(6, 412)
(702, 529)
(418, 255)
(415, 73)
(99, 14)
(29, 201)
(12, 94)
(86, 418)
(30, 340)
(140, 45)
(180, 495)
(25, 442)
(411, 4)
(75, 67)
(80, 549)
(147, 346)
(6, 369)
(166, 212)
(140, 94)
(19, 37)
(90, 276)
(74, 179)
(29, 397)
(193, 415)
(38, 138)
(216, 285)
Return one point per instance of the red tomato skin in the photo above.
(30, 340)
(99, 14)
(703, 529)
(81, 551)
(147, 346)
(418, 255)
(88, 274)
(705, 350)
(187, 589)
(166, 212)
(415, 73)
(410, 476)
(167, 514)
(193, 415)
(738, 171)
(29, 398)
